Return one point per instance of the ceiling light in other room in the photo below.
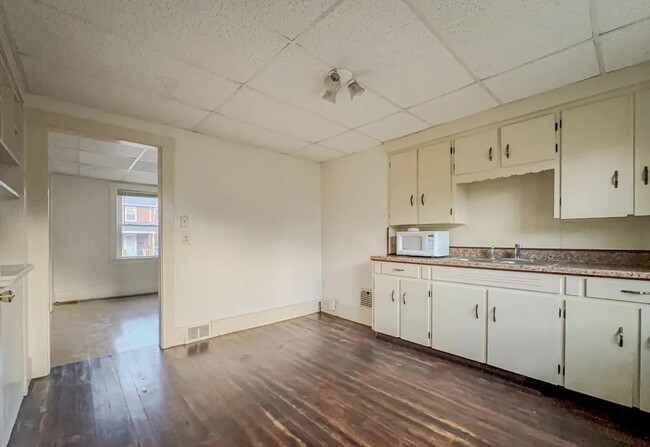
(355, 89)
(332, 86)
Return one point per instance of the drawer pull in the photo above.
(619, 334)
(635, 292)
(476, 311)
(398, 270)
(404, 297)
(392, 296)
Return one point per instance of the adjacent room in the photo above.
(368, 223)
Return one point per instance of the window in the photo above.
(137, 225)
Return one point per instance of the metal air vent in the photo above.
(365, 299)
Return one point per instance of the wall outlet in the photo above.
(332, 304)
(186, 239)
(185, 221)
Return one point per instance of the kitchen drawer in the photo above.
(406, 270)
(619, 289)
(535, 282)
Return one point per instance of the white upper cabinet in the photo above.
(642, 154)
(528, 141)
(597, 173)
(403, 188)
(602, 342)
(434, 183)
(476, 153)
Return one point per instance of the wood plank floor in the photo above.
(311, 381)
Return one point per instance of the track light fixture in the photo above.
(333, 82)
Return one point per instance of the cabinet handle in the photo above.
(476, 311)
(398, 270)
(615, 179)
(619, 334)
(490, 154)
(392, 296)
(635, 292)
(411, 199)
(644, 176)
(404, 297)
(422, 199)
(494, 314)
(507, 150)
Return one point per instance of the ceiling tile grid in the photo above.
(252, 70)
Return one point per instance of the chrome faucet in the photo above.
(517, 251)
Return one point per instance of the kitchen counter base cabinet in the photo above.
(525, 333)
(415, 311)
(602, 342)
(645, 359)
(459, 320)
(386, 309)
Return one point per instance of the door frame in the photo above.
(37, 204)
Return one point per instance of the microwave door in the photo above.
(412, 243)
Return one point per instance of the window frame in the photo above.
(117, 190)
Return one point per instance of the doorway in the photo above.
(104, 246)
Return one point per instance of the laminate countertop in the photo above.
(553, 267)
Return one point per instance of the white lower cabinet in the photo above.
(415, 311)
(645, 359)
(386, 305)
(459, 320)
(525, 333)
(602, 342)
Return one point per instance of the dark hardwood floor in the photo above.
(312, 381)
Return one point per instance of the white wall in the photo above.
(355, 217)
(82, 244)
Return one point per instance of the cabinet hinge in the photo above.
(564, 370)
(560, 124)
(451, 211)
(560, 200)
(390, 165)
(560, 314)
(557, 149)
(557, 125)
(429, 293)
(564, 314)
(451, 150)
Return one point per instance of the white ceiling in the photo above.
(252, 70)
(108, 160)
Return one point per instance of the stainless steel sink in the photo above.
(523, 261)
(469, 259)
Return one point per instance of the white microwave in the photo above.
(423, 243)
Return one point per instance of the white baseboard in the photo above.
(357, 314)
(256, 319)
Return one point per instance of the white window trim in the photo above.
(114, 216)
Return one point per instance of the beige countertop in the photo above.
(558, 268)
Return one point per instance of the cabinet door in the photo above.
(403, 173)
(415, 312)
(642, 154)
(645, 359)
(434, 183)
(525, 333)
(528, 142)
(386, 309)
(459, 320)
(597, 160)
(602, 339)
(476, 153)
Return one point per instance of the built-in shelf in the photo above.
(9, 274)
(7, 192)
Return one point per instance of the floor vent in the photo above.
(198, 333)
(365, 300)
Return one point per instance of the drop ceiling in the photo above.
(252, 70)
(107, 160)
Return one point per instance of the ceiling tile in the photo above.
(63, 167)
(318, 153)
(232, 129)
(350, 142)
(101, 172)
(218, 36)
(289, 17)
(109, 147)
(563, 68)
(388, 48)
(81, 47)
(626, 46)
(145, 166)
(44, 79)
(297, 78)
(264, 111)
(614, 14)
(62, 140)
(466, 101)
(63, 154)
(150, 155)
(103, 160)
(492, 37)
(141, 177)
(394, 126)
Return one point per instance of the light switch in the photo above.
(186, 239)
(185, 221)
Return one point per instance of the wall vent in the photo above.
(365, 300)
(197, 333)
